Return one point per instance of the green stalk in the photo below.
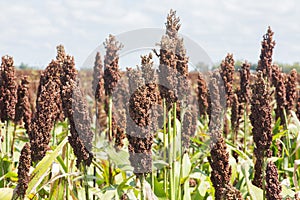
(7, 138)
(245, 127)
(174, 147)
(110, 118)
(95, 144)
(110, 167)
(67, 170)
(53, 135)
(13, 141)
(86, 184)
(171, 180)
(141, 177)
(165, 145)
(264, 181)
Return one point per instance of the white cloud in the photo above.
(30, 31)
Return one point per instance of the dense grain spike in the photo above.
(23, 170)
(8, 89)
(261, 120)
(265, 62)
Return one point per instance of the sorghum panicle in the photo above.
(265, 62)
(227, 72)
(273, 187)
(261, 120)
(219, 157)
(98, 81)
(75, 109)
(278, 80)
(291, 92)
(8, 89)
(23, 110)
(245, 91)
(202, 95)
(43, 120)
(111, 64)
(23, 170)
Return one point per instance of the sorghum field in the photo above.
(149, 132)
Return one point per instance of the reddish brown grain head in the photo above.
(111, 64)
(291, 90)
(98, 80)
(75, 109)
(8, 89)
(245, 91)
(265, 62)
(273, 187)
(261, 120)
(23, 110)
(227, 72)
(202, 95)
(23, 170)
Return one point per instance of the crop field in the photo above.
(147, 132)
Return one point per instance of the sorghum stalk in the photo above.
(75, 109)
(23, 111)
(111, 73)
(244, 95)
(8, 95)
(139, 126)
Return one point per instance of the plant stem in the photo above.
(95, 144)
(67, 168)
(245, 127)
(110, 119)
(141, 177)
(165, 145)
(7, 138)
(174, 148)
(53, 135)
(86, 184)
(13, 141)
(171, 183)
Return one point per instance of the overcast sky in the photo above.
(30, 30)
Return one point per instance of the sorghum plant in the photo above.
(261, 120)
(219, 157)
(75, 109)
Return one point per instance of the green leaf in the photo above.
(255, 192)
(186, 165)
(6, 193)
(43, 166)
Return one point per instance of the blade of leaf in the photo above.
(43, 167)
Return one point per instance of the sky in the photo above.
(31, 30)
